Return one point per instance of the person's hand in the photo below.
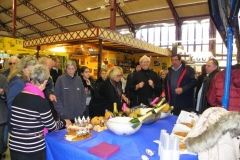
(126, 100)
(140, 85)
(178, 90)
(1, 91)
(88, 82)
(52, 98)
(68, 122)
(150, 82)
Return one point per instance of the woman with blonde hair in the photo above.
(109, 92)
(17, 79)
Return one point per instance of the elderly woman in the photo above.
(30, 114)
(109, 92)
(145, 83)
(17, 79)
(70, 93)
(18, 76)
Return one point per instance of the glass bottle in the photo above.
(135, 122)
(159, 103)
(115, 111)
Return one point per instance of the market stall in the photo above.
(132, 147)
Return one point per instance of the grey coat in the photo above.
(3, 106)
(71, 97)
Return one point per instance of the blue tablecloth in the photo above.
(132, 147)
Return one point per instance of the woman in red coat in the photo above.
(216, 90)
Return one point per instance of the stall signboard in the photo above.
(1, 43)
(15, 46)
(12, 43)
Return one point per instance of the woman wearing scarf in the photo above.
(30, 114)
(109, 92)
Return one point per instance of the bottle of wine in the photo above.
(115, 111)
(159, 103)
(124, 107)
(136, 121)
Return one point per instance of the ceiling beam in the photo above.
(27, 25)
(129, 23)
(3, 27)
(176, 18)
(16, 5)
(191, 4)
(43, 15)
(100, 19)
(9, 30)
(76, 13)
(174, 12)
(96, 8)
(146, 23)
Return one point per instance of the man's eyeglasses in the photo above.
(10, 63)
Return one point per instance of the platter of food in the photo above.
(80, 130)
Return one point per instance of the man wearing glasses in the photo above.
(12, 61)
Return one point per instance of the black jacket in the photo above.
(55, 74)
(104, 99)
(146, 93)
(187, 82)
(206, 85)
(98, 83)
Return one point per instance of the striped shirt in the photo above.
(30, 114)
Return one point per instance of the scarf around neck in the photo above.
(33, 89)
(118, 88)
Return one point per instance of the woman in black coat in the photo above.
(109, 92)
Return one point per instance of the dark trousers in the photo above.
(86, 112)
(24, 156)
(1, 139)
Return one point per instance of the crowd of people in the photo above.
(37, 94)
